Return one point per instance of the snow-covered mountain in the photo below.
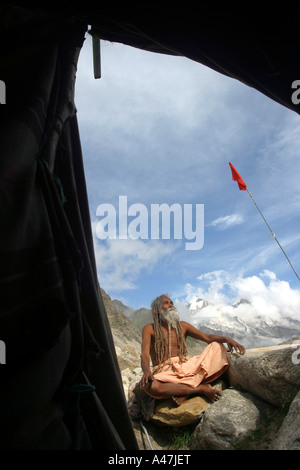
(256, 332)
(196, 304)
(232, 320)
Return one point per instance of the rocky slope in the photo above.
(127, 340)
(127, 337)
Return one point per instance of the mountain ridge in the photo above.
(255, 333)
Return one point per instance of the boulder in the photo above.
(167, 413)
(272, 373)
(230, 420)
(288, 436)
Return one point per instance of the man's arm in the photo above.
(190, 330)
(145, 355)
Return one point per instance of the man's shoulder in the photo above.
(184, 323)
(149, 327)
(185, 326)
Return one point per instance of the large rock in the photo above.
(228, 421)
(288, 436)
(271, 373)
(166, 413)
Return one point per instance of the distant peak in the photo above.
(240, 302)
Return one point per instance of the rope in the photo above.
(147, 435)
(273, 234)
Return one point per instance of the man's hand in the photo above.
(146, 379)
(234, 346)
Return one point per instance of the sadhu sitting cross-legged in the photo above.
(174, 374)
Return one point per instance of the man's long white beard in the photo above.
(171, 316)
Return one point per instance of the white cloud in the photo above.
(121, 263)
(268, 296)
(136, 84)
(222, 223)
(152, 111)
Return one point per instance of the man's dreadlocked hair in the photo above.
(160, 342)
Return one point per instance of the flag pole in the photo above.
(243, 187)
(272, 233)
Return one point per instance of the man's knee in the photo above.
(153, 388)
(217, 346)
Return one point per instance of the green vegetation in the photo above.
(182, 438)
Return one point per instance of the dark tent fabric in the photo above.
(61, 386)
(258, 46)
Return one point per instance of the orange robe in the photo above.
(204, 368)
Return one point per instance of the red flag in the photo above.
(237, 177)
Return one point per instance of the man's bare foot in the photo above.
(209, 392)
(179, 400)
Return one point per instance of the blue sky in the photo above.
(162, 129)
